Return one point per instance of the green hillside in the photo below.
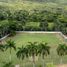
(29, 5)
(55, 1)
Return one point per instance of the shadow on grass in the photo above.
(8, 64)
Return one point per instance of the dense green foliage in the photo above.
(32, 16)
(15, 17)
(18, 20)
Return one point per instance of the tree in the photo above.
(32, 50)
(57, 25)
(35, 16)
(10, 45)
(43, 50)
(22, 52)
(61, 50)
(12, 28)
(3, 14)
(44, 25)
(3, 28)
(21, 16)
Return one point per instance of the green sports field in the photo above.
(23, 38)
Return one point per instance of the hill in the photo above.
(54, 1)
(29, 5)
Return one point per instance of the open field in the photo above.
(22, 38)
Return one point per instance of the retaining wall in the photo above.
(37, 32)
(43, 32)
(4, 37)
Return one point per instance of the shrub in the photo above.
(32, 28)
(12, 33)
(8, 65)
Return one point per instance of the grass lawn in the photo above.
(22, 38)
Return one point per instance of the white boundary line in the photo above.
(4, 37)
(43, 32)
(36, 32)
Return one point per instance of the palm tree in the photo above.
(43, 50)
(22, 52)
(10, 45)
(61, 50)
(32, 50)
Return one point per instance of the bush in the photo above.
(8, 65)
(12, 33)
(32, 28)
(64, 30)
